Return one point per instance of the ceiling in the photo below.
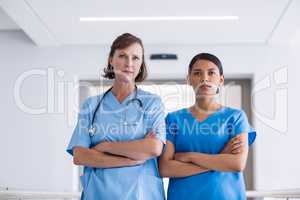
(56, 22)
(6, 23)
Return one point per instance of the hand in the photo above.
(137, 162)
(183, 157)
(102, 146)
(234, 146)
(150, 135)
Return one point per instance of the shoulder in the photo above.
(177, 114)
(232, 111)
(90, 103)
(238, 123)
(148, 98)
(147, 95)
(234, 114)
(92, 100)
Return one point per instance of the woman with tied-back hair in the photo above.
(207, 143)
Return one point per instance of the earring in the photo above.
(111, 68)
(218, 90)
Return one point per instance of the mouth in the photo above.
(205, 86)
(127, 72)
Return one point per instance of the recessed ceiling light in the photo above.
(166, 18)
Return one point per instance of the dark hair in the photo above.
(206, 56)
(121, 42)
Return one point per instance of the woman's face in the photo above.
(127, 62)
(205, 78)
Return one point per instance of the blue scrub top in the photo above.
(128, 183)
(208, 136)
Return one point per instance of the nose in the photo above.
(129, 62)
(204, 77)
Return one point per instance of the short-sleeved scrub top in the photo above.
(208, 136)
(115, 122)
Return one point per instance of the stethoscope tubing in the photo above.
(92, 129)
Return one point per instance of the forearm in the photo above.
(93, 158)
(173, 168)
(219, 162)
(143, 149)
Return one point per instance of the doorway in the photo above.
(176, 94)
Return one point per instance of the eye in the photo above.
(121, 55)
(212, 73)
(196, 73)
(136, 58)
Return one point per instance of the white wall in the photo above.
(32, 147)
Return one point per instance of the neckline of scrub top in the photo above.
(117, 102)
(187, 110)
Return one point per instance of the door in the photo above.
(177, 94)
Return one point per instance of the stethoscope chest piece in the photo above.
(92, 131)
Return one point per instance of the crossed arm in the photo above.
(169, 167)
(118, 154)
(232, 158)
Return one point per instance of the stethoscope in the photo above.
(92, 130)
